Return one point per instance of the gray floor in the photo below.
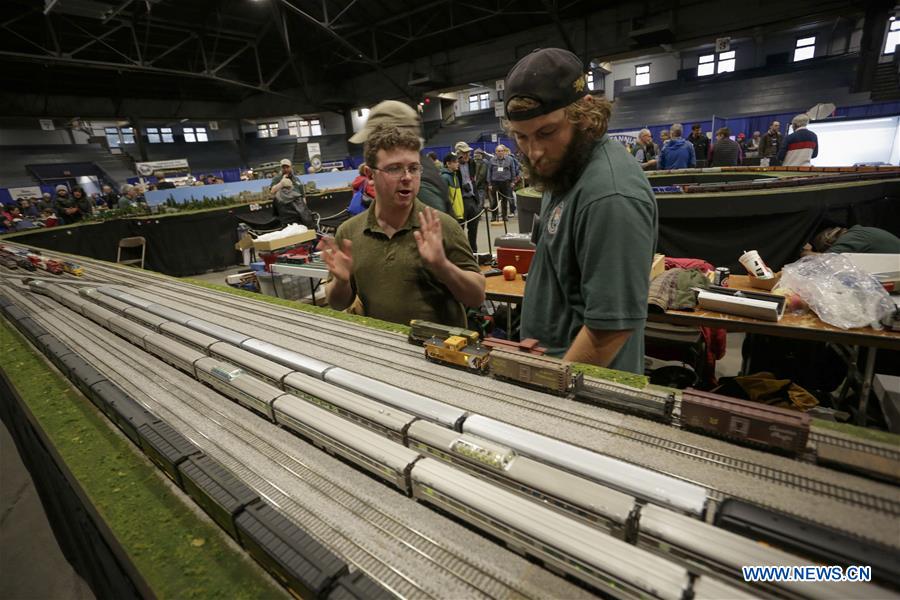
(31, 563)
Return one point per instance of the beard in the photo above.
(571, 165)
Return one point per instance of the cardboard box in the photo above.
(520, 258)
(765, 284)
(280, 243)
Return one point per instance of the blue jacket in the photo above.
(677, 154)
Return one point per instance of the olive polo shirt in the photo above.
(388, 274)
(592, 262)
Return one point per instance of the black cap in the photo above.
(553, 77)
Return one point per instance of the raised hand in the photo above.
(430, 239)
(338, 259)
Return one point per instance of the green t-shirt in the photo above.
(868, 240)
(297, 184)
(592, 264)
(388, 274)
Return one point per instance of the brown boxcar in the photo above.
(752, 422)
(542, 372)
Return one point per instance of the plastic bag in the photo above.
(839, 292)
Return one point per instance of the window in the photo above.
(726, 62)
(166, 134)
(805, 49)
(479, 101)
(707, 65)
(711, 64)
(195, 134)
(893, 37)
(642, 74)
(293, 129)
(590, 80)
(127, 135)
(153, 135)
(267, 130)
(112, 137)
(310, 128)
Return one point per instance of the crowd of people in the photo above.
(66, 206)
(674, 151)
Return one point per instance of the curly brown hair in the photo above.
(388, 138)
(592, 114)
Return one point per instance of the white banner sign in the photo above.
(31, 191)
(148, 168)
(625, 137)
(498, 109)
(47, 124)
(312, 149)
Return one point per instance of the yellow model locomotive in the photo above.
(458, 351)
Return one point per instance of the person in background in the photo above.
(856, 239)
(391, 113)
(752, 145)
(401, 259)
(450, 174)
(49, 218)
(6, 218)
(700, 142)
(645, 150)
(663, 138)
(109, 197)
(363, 191)
(287, 180)
(770, 143)
(481, 169)
(466, 180)
(437, 162)
(68, 209)
(590, 276)
(801, 146)
(46, 201)
(131, 196)
(725, 152)
(677, 153)
(502, 174)
(161, 183)
(29, 208)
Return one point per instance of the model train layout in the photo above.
(772, 428)
(622, 529)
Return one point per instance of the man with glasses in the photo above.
(401, 259)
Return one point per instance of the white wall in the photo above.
(33, 137)
(839, 142)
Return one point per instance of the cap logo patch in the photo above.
(579, 84)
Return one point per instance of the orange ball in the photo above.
(509, 273)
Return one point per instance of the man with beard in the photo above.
(401, 259)
(586, 298)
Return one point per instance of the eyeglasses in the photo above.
(397, 171)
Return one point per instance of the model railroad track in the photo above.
(839, 493)
(892, 454)
(480, 582)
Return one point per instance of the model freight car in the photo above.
(458, 351)
(541, 372)
(422, 331)
(749, 422)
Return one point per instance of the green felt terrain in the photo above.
(179, 554)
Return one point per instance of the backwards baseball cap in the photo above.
(389, 113)
(552, 77)
(462, 147)
(286, 162)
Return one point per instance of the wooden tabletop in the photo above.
(807, 326)
(499, 289)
